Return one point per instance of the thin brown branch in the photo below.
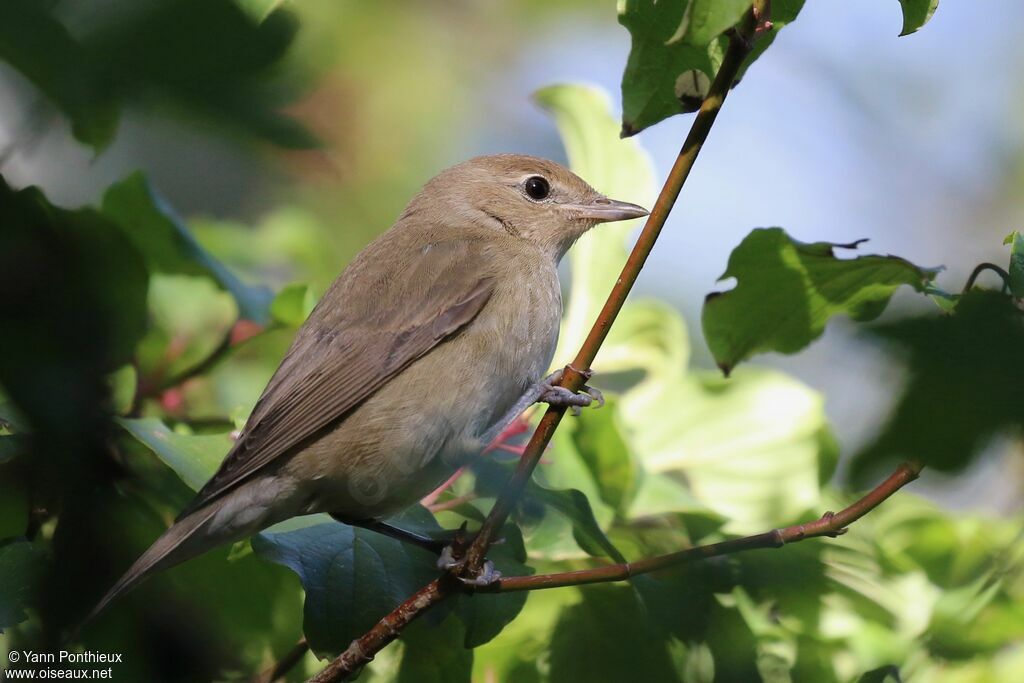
(576, 374)
(362, 650)
(829, 524)
(286, 663)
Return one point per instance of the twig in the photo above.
(829, 524)
(282, 667)
(982, 267)
(362, 650)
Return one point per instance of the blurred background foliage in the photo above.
(230, 157)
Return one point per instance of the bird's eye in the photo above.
(537, 187)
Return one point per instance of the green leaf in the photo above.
(13, 446)
(662, 77)
(189, 320)
(787, 291)
(293, 304)
(916, 14)
(193, 457)
(609, 637)
(962, 387)
(37, 45)
(434, 654)
(73, 290)
(352, 577)
(200, 57)
(573, 504)
(1016, 268)
(123, 383)
(677, 48)
(168, 246)
(340, 566)
(889, 673)
(754, 449)
(485, 615)
(20, 570)
(705, 20)
(259, 9)
(617, 168)
(600, 443)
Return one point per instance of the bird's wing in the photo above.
(341, 357)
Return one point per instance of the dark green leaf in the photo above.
(73, 291)
(434, 654)
(883, 674)
(205, 57)
(20, 569)
(486, 614)
(916, 14)
(37, 45)
(964, 384)
(352, 576)
(609, 637)
(168, 246)
(786, 292)
(13, 445)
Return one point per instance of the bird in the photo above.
(433, 339)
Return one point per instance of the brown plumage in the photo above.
(420, 352)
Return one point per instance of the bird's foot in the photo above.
(556, 395)
(485, 576)
(452, 560)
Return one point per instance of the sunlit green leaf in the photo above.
(292, 305)
(194, 457)
(614, 467)
(704, 20)
(123, 383)
(617, 168)
(1016, 269)
(916, 14)
(787, 291)
(677, 48)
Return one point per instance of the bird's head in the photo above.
(528, 197)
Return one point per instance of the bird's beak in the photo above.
(604, 210)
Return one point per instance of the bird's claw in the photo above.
(556, 395)
(484, 577)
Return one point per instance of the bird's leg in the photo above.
(545, 391)
(434, 545)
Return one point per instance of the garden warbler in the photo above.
(433, 339)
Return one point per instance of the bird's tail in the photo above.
(185, 539)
